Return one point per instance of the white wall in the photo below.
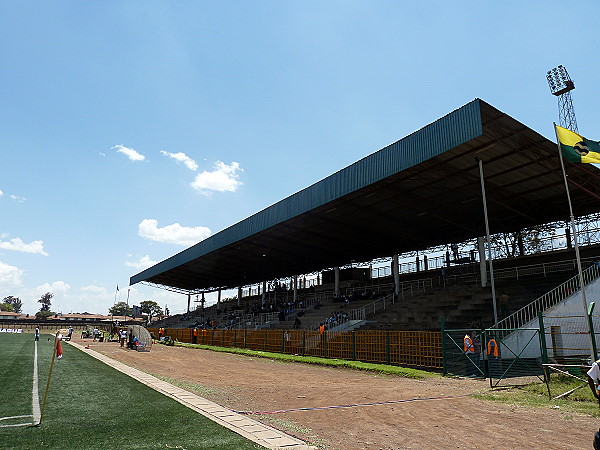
(573, 344)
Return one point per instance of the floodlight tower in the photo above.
(561, 85)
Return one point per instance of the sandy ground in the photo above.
(261, 385)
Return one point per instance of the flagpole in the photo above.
(114, 303)
(577, 257)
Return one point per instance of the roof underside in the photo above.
(421, 191)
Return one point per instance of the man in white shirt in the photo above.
(594, 379)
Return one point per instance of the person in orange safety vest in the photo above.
(469, 349)
(493, 354)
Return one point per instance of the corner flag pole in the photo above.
(48, 382)
(577, 257)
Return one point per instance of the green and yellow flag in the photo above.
(576, 148)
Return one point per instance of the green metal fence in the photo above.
(519, 356)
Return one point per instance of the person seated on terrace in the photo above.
(297, 324)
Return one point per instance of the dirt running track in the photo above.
(256, 384)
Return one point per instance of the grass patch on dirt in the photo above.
(536, 395)
(356, 365)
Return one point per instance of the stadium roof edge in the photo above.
(451, 132)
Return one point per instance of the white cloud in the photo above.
(1, 193)
(129, 152)
(17, 198)
(141, 264)
(56, 287)
(92, 289)
(182, 157)
(102, 154)
(10, 276)
(172, 234)
(223, 178)
(18, 245)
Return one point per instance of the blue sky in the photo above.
(131, 129)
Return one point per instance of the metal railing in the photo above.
(437, 260)
(530, 311)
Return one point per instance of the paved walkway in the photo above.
(251, 429)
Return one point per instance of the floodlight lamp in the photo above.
(559, 81)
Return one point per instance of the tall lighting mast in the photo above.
(561, 85)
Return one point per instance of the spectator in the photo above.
(297, 324)
(122, 337)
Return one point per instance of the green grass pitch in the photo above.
(92, 406)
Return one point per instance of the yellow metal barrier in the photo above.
(406, 348)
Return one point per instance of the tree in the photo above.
(6, 307)
(120, 309)
(151, 308)
(15, 302)
(45, 301)
(43, 315)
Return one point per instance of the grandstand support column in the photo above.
(487, 238)
(189, 299)
(396, 273)
(264, 291)
(219, 299)
(295, 288)
(336, 284)
(239, 297)
(482, 266)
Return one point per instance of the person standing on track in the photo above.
(37, 333)
(593, 376)
(469, 349)
(493, 354)
(594, 383)
(122, 337)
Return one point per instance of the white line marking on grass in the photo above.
(15, 424)
(35, 394)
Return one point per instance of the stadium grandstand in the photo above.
(397, 240)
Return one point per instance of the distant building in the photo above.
(8, 315)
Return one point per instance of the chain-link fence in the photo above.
(505, 356)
